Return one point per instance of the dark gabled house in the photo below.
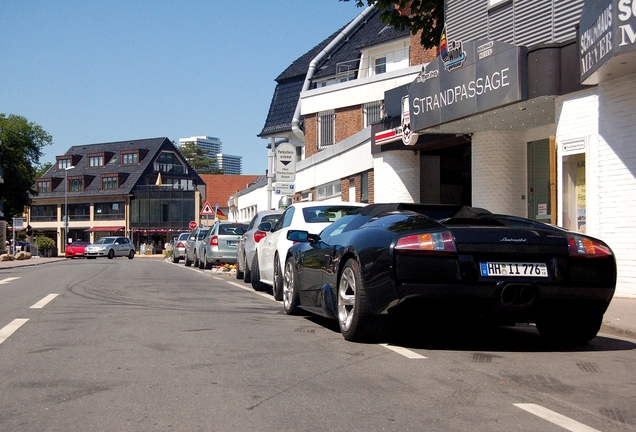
(144, 189)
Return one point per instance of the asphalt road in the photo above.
(140, 345)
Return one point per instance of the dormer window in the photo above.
(43, 186)
(109, 182)
(63, 163)
(96, 160)
(130, 157)
(76, 184)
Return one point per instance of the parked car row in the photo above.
(206, 246)
(403, 265)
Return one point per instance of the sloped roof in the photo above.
(369, 32)
(129, 175)
(219, 187)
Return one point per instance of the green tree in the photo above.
(196, 157)
(416, 15)
(41, 169)
(21, 144)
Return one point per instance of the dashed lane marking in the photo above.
(404, 352)
(10, 328)
(8, 280)
(556, 418)
(44, 301)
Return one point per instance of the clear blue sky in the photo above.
(92, 71)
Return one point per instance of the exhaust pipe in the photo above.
(517, 294)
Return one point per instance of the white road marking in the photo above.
(7, 280)
(248, 287)
(556, 418)
(44, 301)
(404, 352)
(10, 328)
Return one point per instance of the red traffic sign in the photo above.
(193, 225)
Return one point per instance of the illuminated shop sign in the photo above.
(486, 75)
(607, 30)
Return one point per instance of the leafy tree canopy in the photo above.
(198, 159)
(426, 16)
(41, 169)
(21, 144)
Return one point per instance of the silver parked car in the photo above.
(192, 245)
(249, 242)
(219, 245)
(110, 247)
(178, 247)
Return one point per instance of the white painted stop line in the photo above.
(556, 418)
(10, 328)
(44, 301)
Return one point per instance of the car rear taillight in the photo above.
(434, 242)
(180, 245)
(214, 241)
(585, 246)
(259, 235)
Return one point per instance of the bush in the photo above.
(43, 243)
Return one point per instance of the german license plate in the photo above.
(513, 269)
(232, 242)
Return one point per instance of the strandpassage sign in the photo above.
(490, 74)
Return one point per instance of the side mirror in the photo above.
(298, 236)
(265, 226)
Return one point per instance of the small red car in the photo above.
(76, 249)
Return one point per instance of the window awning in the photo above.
(105, 228)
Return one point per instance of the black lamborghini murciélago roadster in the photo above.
(461, 261)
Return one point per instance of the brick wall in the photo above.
(349, 121)
(311, 135)
(420, 55)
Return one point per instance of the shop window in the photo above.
(538, 161)
(110, 211)
(43, 213)
(574, 200)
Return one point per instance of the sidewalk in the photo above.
(619, 319)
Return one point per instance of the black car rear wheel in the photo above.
(256, 277)
(111, 254)
(202, 262)
(277, 288)
(131, 254)
(188, 262)
(290, 288)
(355, 320)
(570, 328)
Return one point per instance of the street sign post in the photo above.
(284, 188)
(285, 162)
